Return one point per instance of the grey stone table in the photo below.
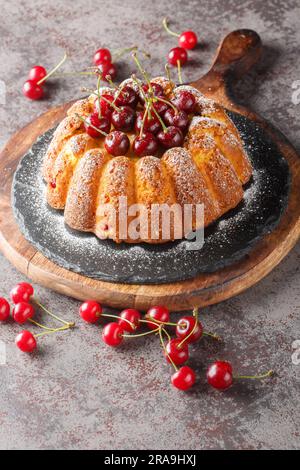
(76, 393)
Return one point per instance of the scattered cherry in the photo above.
(105, 108)
(108, 71)
(90, 311)
(102, 56)
(126, 97)
(146, 144)
(176, 352)
(22, 311)
(32, 90)
(176, 118)
(158, 313)
(219, 375)
(92, 121)
(131, 315)
(112, 334)
(26, 341)
(177, 54)
(185, 326)
(37, 73)
(184, 378)
(185, 101)
(171, 137)
(4, 309)
(21, 292)
(150, 124)
(188, 40)
(123, 119)
(117, 143)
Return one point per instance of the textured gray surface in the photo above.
(76, 393)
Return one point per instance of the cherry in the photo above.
(185, 101)
(112, 334)
(160, 107)
(22, 311)
(123, 119)
(171, 137)
(126, 97)
(4, 309)
(117, 143)
(90, 311)
(102, 123)
(219, 375)
(188, 40)
(158, 313)
(105, 108)
(176, 118)
(131, 315)
(150, 124)
(185, 326)
(156, 90)
(177, 54)
(108, 71)
(21, 292)
(146, 144)
(37, 73)
(32, 90)
(176, 352)
(102, 56)
(26, 341)
(184, 378)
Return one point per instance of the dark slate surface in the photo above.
(77, 393)
(226, 241)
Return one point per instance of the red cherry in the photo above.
(150, 125)
(146, 144)
(133, 316)
(105, 108)
(188, 40)
(32, 90)
(184, 378)
(102, 123)
(102, 56)
(4, 309)
(22, 311)
(90, 311)
(108, 71)
(156, 90)
(117, 143)
(126, 97)
(158, 313)
(177, 352)
(219, 375)
(184, 328)
(112, 334)
(176, 118)
(123, 120)
(53, 183)
(37, 73)
(160, 107)
(185, 101)
(177, 54)
(21, 292)
(172, 137)
(26, 341)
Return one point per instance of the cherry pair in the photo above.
(178, 56)
(103, 60)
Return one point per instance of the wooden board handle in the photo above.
(237, 53)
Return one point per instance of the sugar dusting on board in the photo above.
(228, 240)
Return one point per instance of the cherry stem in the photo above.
(62, 74)
(195, 314)
(158, 117)
(167, 69)
(263, 376)
(160, 330)
(179, 72)
(143, 72)
(110, 315)
(144, 119)
(39, 325)
(142, 334)
(53, 70)
(68, 324)
(158, 98)
(98, 91)
(62, 328)
(91, 125)
(165, 25)
(120, 52)
(212, 335)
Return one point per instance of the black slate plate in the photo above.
(226, 241)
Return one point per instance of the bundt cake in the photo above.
(144, 161)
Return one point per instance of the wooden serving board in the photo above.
(237, 53)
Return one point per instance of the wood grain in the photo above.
(236, 55)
